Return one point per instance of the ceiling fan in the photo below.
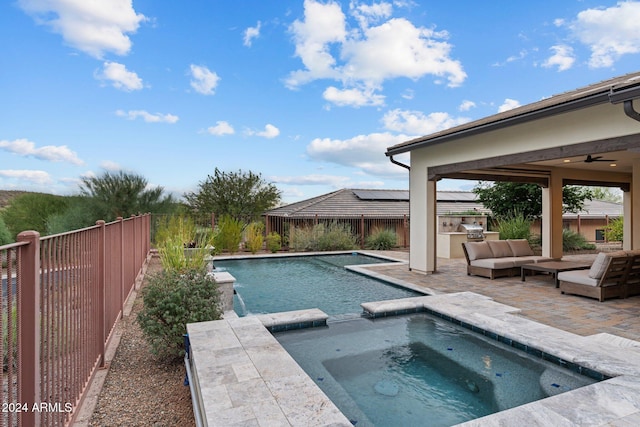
(591, 159)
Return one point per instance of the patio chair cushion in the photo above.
(500, 248)
(578, 276)
(520, 247)
(494, 263)
(599, 266)
(478, 250)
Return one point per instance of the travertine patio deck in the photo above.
(537, 298)
(246, 378)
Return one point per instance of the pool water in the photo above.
(418, 370)
(271, 285)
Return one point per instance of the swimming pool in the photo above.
(276, 284)
(420, 370)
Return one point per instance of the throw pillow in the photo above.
(599, 266)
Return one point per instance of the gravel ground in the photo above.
(141, 390)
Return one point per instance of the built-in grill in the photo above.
(475, 232)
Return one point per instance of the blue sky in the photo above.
(307, 93)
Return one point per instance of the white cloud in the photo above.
(609, 33)
(323, 25)
(508, 104)
(119, 76)
(313, 179)
(110, 166)
(367, 14)
(203, 80)
(53, 153)
(408, 51)
(94, 27)
(251, 33)
(563, 57)
(466, 105)
(513, 58)
(147, 117)
(408, 94)
(329, 51)
(365, 152)
(417, 123)
(33, 176)
(269, 132)
(221, 128)
(352, 97)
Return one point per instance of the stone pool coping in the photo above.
(245, 376)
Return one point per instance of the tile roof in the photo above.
(373, 203)
(597, 93)
(376, 203)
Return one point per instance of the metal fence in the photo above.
(361, 226)
(62, 297)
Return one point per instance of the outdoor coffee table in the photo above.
(554, 267)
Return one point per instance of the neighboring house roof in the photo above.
(597, 209)
(614, 90)
(373, 203)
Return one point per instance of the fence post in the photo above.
(362, 231)
(28, 288)
(404, 230)
(123, 293)
(101, 292)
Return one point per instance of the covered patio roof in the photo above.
(588, 136)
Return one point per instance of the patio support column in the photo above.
(431, 227)
(552, 217)
(627, 215)
(632, 204)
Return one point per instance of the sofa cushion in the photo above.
(578, 276)
(520, 247)
(599, 265)
(478, 250)
(494, 263)
(500, 248)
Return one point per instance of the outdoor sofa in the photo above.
(613, 274)
(499, 258)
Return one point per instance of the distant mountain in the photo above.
(7, 195)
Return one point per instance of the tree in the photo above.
(505, 198)
(30, 211)
(5, 234)
(241, 195)
(122, 194)
(607, 194)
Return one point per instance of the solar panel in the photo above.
(401, 195)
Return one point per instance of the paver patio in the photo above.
(537, 298)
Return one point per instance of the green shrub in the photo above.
(274, 242)
(5, 337)
(181, 245)
(333, 236)
(613, 232)
(515, 226)
(336, 237)
(171, 300)
(253, 236)
(381, 239)
(572, 241)
(229, 234)
(5, 234)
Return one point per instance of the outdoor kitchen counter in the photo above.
(450, 243)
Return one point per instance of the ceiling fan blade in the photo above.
(591, 159)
